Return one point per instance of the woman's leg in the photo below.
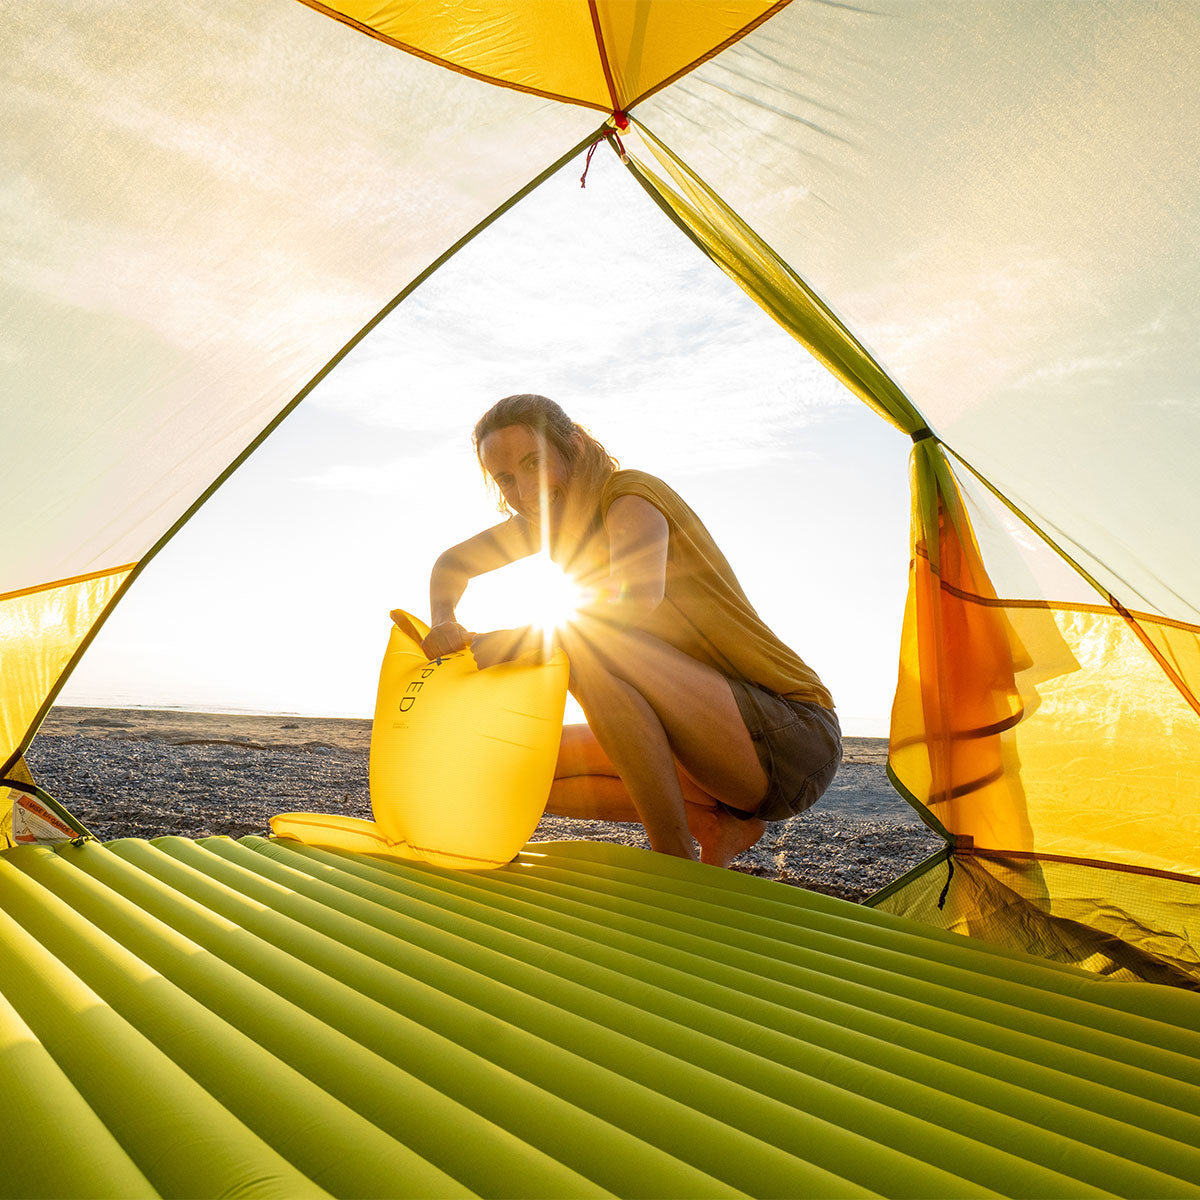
(587, 787)
(651, 708)
(586, 784)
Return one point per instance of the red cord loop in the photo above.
(587, 166)
(620, 121)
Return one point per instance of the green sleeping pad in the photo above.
(260, 1018)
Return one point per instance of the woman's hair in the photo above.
(589, 463)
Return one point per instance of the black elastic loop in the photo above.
(949, 876)
(923, 433)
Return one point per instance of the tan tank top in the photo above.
(705, 613)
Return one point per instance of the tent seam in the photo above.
(61, 583)
(910, 876)
(56, 806)
(605, 66)
(972, 851)
(1066, 606)
(458, 69)
(924, 813)
(696, 63)
(1177, 681)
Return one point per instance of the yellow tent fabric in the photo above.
(41, 630)
(607, 54)
(1069, 832)
(983, 217)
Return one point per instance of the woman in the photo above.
(701, 722)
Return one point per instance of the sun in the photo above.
(531, 591)
(551, 596)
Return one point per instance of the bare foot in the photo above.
(722, 837)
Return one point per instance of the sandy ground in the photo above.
(148, 772)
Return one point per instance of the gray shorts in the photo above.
(799, 745)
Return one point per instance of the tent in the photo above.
(981, 217)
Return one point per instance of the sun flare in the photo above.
(531, 591)
(552, 597)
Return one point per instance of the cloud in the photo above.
(588, 296)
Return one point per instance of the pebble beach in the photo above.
(150, 772)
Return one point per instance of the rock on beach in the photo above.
(150, 772)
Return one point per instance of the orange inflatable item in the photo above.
(462, 759)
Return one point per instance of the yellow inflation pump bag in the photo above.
(462, 759)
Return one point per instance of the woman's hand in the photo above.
(503, 645)
(446, 638)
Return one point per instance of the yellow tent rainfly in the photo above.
(983, 218)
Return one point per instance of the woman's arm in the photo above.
(638, 540)
(456, 567)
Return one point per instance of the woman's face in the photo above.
(523, 464)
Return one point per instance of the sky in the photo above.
(275, 596)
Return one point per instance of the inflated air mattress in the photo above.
(265, 1019)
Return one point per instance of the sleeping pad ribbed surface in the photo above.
(260, 1018)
